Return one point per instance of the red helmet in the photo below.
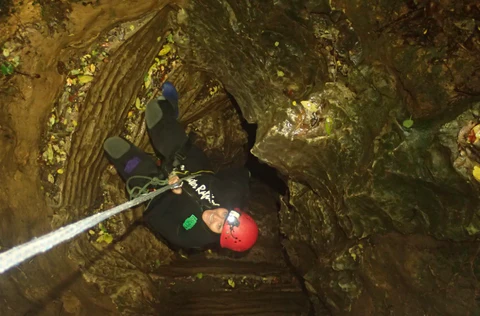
(239, 232)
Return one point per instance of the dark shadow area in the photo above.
(259, 170)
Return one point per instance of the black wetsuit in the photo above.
(178, 217)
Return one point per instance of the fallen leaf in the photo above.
(165, 50)
(60, 171)
(138, 104)
(170, 38)
(107, 238)
(148, 81)
(159, 39)
(91, 232)
(476, 173)
(276, 44)
(280, 73)
(310, 106)
(408, 123)
(199, 275)
(328, 125)
(84, 79)
(294, 103)
(51, 120)
(50, 153)
(231, 283)
(92, 68)
(50, 178)
(132, 27)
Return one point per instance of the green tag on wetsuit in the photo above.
(190, 222)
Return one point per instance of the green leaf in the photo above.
(280, 73)
(199, 275)
(7, 69)
(102, 228)
(170, 38)
(408, 123)
(328, 125)
(231, 283)
(107, 238)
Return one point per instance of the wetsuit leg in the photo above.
(165, 132)
(129, 160)
(169, 138)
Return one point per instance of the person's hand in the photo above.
(171, 180)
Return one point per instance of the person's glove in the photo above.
(175, 179)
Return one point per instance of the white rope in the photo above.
(18, 254)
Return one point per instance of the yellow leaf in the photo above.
(159, 39)
(52, 120)
(148, 82)
(476, 173)
(132, 27)
(309, 106)
(138, 104)
(60, 171)
(92, 68)
(231, 283)
(91, 232)
(74, 123)
(84, 79)
(280, 73)
(165, 50)
(50, 178)
(276, 44)
(294, 103)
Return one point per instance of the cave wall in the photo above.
(363, 180)
(380, 218)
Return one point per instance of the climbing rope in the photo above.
(18, 254)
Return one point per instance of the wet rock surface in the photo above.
(368, 110)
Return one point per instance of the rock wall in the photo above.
(361, 105)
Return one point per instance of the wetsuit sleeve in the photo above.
(178, 220)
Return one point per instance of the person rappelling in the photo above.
(189, 205)
(198, 212)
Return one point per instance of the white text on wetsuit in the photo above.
(202, 192)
